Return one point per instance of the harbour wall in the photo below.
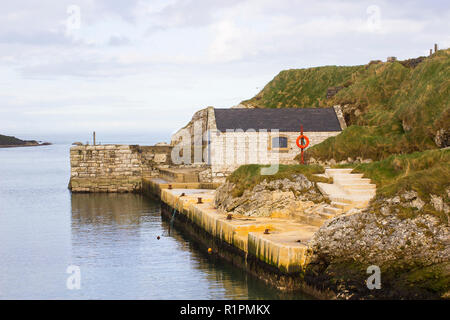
(115, 168)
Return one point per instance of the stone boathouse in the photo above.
(224, 139)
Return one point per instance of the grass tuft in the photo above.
(248, 176)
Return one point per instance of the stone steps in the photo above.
(333, 210)
(367, 194)
(354, 186)
(312, 219)
(318, 215)
(348, 190)
(329, 171)
(343, 205)
(350, 180)
(343, 176)
(314, 216)
(331, 190)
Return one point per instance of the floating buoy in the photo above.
(209, 250)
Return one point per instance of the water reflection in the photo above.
(114, 241)
(126, 210)
(236, 283)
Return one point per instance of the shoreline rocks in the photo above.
(412, 250)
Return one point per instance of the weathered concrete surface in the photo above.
(153, 186)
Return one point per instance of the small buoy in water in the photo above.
(209, 250)
(158, 237)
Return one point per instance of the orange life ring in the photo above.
(301, 146)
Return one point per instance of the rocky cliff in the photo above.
(413, 255)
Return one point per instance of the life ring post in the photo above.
(300, 140)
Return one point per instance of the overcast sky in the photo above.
(142, 66)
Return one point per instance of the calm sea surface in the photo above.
(111, 237)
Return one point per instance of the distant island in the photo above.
(10, 141)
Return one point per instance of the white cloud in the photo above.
(153, 63)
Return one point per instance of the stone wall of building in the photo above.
(152, 158)
(229, 150)
(114, 168)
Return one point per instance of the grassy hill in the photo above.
(301, 88)
(9, 140)
(398, 107)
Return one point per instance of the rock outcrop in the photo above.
(442, 138)
(282, 196)
(201, 118)
(412, 252)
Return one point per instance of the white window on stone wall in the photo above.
(279, 143)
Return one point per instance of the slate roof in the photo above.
(284, 119)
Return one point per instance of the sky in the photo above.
(72, 67)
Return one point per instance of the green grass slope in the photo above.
(392, 109)
(427, 173)
(301, 88)
(248, 176)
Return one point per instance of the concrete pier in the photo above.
(272, 249)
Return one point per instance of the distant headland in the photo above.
(10, 141)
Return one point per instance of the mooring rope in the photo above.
(172, 219)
